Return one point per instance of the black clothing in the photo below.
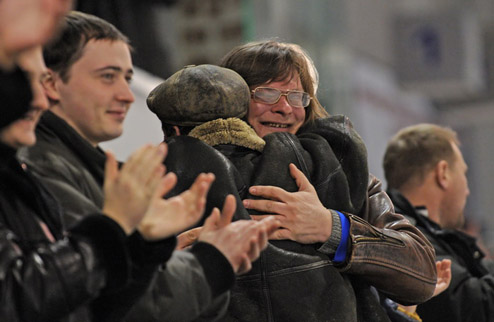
(470, 296)
(299, 282)
(73, 171)
(15, 94)
(49, 274)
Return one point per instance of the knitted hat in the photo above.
(198, 94)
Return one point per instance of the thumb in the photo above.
(212, 221)
(166, 185)
(228, 211)
(300, 178)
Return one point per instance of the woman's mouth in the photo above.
(276, 125)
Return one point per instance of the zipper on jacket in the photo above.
(379, 236)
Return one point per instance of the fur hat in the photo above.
(198, 94)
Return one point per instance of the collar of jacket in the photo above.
(228, 131)
(404, 207)
(7, 153)
(94, 158)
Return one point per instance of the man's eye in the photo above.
(128, 79)
(108, 76)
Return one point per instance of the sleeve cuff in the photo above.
(109, 241)
(143, 252)
(218, 270)
(330, 246)
(336, 246)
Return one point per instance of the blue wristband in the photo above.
(340, 254)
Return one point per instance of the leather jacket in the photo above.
(51, 274)
(297, 282)
(73, 171)
(470, 295)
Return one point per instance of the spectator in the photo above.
(52, 274)
(427, 182)
(88, 88)
(23, 25)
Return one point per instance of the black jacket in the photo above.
(470, 296)
(194, 282)
(296, 282)
(49, 274)
(15, 94)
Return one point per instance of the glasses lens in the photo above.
(298, 99)
(267, 95)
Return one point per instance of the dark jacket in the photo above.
(15, 94)
(194, 282)
(49, 274)
(296, 282)
(470, 296)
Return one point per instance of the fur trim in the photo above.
(228, 131)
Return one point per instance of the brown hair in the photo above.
(267, 61)
(77, 30)
(414, 151)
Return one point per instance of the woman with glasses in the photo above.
(329, 255)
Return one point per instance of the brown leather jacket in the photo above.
(388, 252)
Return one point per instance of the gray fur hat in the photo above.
(198, 94)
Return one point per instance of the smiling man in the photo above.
(90, 69)
(96, 101)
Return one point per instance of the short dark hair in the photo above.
(76, 31)
(169, 130)
(414, 151)
(269, 60)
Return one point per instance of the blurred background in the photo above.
(385, 64)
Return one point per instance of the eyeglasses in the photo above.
(268, 95)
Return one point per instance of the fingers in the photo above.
(446, 264)
(146, 162)
(300, 178)
(212, 221)
(272, 224)
(265, 206)
(229, 207)
(257, 243)
(245, 265)
(443, 266)
(187, 238)
(270, 192)
(202, 183)
(167, 183)
(199, 190)
(262, 217)
(443, 276)
(111, 167)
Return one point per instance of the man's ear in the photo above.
(442, 174)
(49, 83)
(177, 130)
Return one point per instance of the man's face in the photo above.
(278, 117)
(27, 23)
(97, 96)
(21, 132)
(456, 195)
